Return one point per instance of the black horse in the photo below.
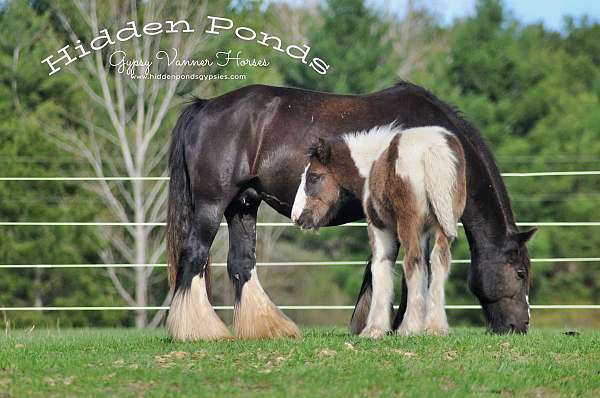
(230, 153)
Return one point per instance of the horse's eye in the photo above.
(521, 274)
(512, 257)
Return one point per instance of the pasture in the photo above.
(324, 362)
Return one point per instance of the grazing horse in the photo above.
(230, 153)
(413, 187)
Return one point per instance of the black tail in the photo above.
(180, 206)
(363, 303)
(402, 307)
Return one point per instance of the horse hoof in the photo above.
(437, 329)
(256, 317)
(408, 330)
(437, 325)
(192, 317)
(264, 323)
(372, 332)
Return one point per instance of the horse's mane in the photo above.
(194, 100)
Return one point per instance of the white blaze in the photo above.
(300, 199)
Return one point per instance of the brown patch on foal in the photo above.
(443, 245)
(343, 169)
(328, 194)
(333, 162)
(393, 200)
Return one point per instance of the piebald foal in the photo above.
(413, 187)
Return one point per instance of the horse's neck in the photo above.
(488, 214)
(487, 218)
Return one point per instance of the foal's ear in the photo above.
(524, 237)
(321, 150)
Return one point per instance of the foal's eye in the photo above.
(313, 178)
(521, 274)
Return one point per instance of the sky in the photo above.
(550, 12)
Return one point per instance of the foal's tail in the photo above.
(180, 206)
(444, 171)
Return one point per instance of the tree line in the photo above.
(531, 91)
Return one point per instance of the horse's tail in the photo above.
(363, 303)
(441, 167)
(180, 207)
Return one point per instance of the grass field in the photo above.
(324, 362)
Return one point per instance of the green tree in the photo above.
(533, 93)
(353, 39)
(29, 103)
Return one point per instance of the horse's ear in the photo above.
(321, 150)
(524, 237)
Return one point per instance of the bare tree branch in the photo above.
(122, 121)
(158, 317)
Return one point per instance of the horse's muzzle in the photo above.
(519, 328)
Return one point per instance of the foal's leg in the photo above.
(416, 279)
(404, 293)
(385, 249)
(255, 315)
(436, 321)
(191, 316)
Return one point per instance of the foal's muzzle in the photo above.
(305, 220)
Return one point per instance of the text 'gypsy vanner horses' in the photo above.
(413, 189)
(230, 153)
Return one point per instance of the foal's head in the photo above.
(329, 179)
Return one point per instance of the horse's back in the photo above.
(260, 133)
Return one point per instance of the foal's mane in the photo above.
(392, 128)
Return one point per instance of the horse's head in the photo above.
(325, 184)
(500, 276)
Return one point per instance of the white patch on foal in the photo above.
(427, 162)
(414, 317)
(300, 199)
(382, 267)
(423, 159)
(436, 321)
(364, 150)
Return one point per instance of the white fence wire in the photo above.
(273, 264)
(260, 224)
(282, 263)
(287, 307)
(120, 178)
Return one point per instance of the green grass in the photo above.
(324, 362)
